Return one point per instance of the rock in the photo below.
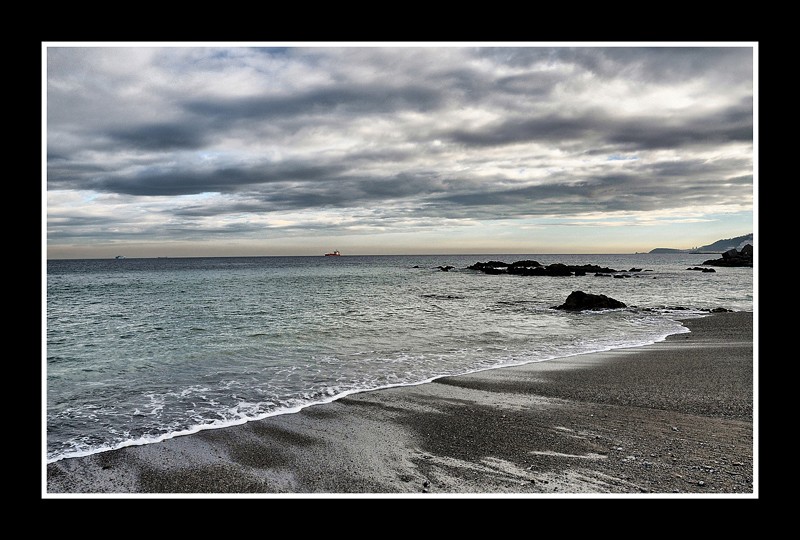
(526, 263)
(415, 266)
(701, 269)
(426, 483)
(558, 269)
(635, 270)
(446, 268)
(534, 268)
(579, 301)
(720, 310)
(733, 257)
(483, 267)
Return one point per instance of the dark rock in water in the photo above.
(708, 270)
(525, 263)
(534, 268)
(415, 266)
(443, 296)
(635, 270)
(619, 276)
(733, 257)
(701, 269)
(594, 268)
(446, 268)
(558, 269)
(579, 301)
(489, 266)
(720, 310)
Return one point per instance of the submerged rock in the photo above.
(579, 301)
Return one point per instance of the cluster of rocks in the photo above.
(701, 269)
(734, 257)
(533, 268)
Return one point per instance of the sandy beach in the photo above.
(671, 417)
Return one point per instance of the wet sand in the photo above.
(672, 417)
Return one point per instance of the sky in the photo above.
(379, 148)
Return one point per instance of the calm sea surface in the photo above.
(138, 350)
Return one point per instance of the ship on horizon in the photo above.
(334, 253)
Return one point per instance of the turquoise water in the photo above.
(138, 350)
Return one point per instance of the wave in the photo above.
(331, 393)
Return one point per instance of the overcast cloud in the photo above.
(283, 150)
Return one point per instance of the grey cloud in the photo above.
(655, 64)
(366, 99)
(335, 192)
(649, 188)
(63, 173)
(161, 137)
(551, 127)
(598, 127)
(177, 181)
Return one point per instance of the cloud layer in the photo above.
(189, 144)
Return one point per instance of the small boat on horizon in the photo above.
(335, 253)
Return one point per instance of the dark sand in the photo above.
(672, 417)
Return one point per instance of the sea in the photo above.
(141, 350)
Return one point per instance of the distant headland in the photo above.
(720, 246)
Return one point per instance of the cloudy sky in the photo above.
(373, 149)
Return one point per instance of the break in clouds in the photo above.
(183, 143)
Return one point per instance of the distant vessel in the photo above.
(334, 254)
(120, 257)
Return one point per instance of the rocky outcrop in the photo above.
(533, 268)
(579, 301)
(734, 257)
(701, 269)
(491, 265)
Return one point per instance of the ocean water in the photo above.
(139, 350)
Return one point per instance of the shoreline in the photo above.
(295, 410)
(682, 424)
